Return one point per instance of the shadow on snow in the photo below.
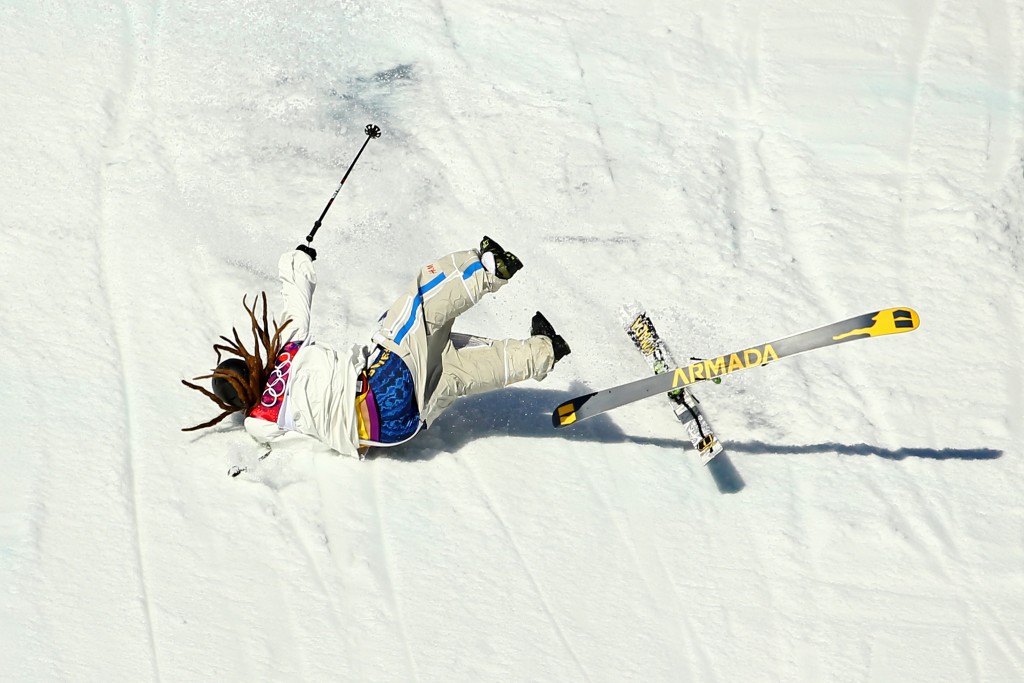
(526, 412)
(761, 448)
(514, 412)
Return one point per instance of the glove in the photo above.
(307, 250)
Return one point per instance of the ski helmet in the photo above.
(222, 387)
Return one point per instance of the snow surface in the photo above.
(746, 169)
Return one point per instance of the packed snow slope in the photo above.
(747, 170)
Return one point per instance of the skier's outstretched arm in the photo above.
(272, 436)
(298, 282)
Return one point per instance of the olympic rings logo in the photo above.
(278, 381)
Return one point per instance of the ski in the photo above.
(875, 324)
(640, 329)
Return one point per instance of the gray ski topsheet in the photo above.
(875, 324)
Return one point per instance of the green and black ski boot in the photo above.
(506, 264)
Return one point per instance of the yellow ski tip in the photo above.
(565, 414)
(886, 321)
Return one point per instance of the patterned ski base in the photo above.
(652, 347)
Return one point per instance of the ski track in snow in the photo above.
(120, 106)
(329, 589)
(299, 532)
(657, 579)
(336, 538)
(492, 507)
(621, 530)
(910, 185)
(388, 569)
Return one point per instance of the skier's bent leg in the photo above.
(442, 290)
(475, 370)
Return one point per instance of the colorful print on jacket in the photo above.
(386, 404)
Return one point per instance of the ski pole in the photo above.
(371, 131)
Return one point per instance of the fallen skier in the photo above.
(291, 385)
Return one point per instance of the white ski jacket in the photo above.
(320, 393)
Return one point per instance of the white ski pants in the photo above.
(418, 327)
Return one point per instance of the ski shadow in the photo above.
(513, 412)
(725, 475)
(862, 449)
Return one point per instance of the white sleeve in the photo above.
(262, 430)
(271, 435)
(298, 281)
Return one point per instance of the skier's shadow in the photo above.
(514, 412)
(527, 412)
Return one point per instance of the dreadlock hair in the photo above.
(258, 363)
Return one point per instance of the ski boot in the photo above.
(506, 264)
(540, 326)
